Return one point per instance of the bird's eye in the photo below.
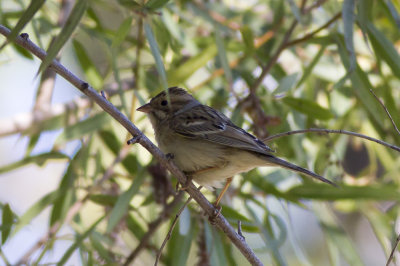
(164, 103)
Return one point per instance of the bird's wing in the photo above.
(203, 122)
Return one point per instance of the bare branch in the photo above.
(168, 236)
(393, 250)
(311, 34)
(332, 131)
(153, 226)
(84, 87)
(386, 110)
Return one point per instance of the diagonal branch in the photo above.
(333, 131)
(84, 87)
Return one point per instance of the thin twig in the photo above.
(152, 228)
(393, 250)
(386, 110)
(84, 87)
(311, 34)
(332, 131)
(168, 236)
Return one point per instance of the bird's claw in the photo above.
(216, 213)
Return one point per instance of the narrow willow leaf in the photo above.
(222, 55)
(295, 11)
(39, 159)
(156, 54)
(36, 209)
(248, 39)
(308, 107)
(130, 3)
(181, 249)
(122, 33)
(308, 70)
(155, 4)
(384, 48)
(102, 199)
(335, 234)
(122, 205)
(184, 71)
(78, 242)
(325, 192)
(70, 25)
(93, 75)
(362, 87)
(84, 127)
(348, 21)
(135, 227)
(268, 238)
(7, 222)
(285, 84)
(393, 12)
(104, 253)
(33, 7)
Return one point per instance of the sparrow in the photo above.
(205, 144)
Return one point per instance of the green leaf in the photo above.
(155, 4)
(104, 253)
(248, 39)
(324, 192)
(78, 242)
(122, 33)
(184, 71)
(348, 21)
(33, 7)
(308, 107)
(135, 227)
(93, 75)
(70, 25)
(286, 84)
(84, 127)
(7, 222)
(122, 205)
(39, 159)
(384, 48)
(130, 162)
(130, 3)
(103, 199)
(222, 54)
(36, 209)
(308, 70)
(156, 54)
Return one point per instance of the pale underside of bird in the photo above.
(204, 143)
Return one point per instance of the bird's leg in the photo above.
(218, 208)
(228, 182)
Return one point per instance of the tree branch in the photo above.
(330, 131)
(84, 87)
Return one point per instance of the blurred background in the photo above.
(72, 192)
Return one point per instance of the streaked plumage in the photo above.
(205, 143)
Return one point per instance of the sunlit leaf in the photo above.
(39, 159)
(7, 222)
(70, 25)
(121, 207)
(308, 107)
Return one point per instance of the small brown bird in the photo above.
(205, 144)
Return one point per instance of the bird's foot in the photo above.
(180, 186)
(217, 211)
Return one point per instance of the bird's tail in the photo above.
(282, 163)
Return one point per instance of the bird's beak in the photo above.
(145, 108)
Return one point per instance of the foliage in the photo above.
(272, 66)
